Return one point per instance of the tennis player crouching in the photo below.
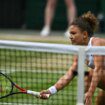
(81, 33)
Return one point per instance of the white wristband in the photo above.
(52, 90)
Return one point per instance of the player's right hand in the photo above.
(45, 94)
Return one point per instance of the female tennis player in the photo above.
(81, 33)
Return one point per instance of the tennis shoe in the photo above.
(45, 31)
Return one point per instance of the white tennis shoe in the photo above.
(45, 31)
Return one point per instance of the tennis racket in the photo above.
(7, 87)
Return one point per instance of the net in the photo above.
(37, 66)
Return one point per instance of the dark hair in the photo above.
(87, 22)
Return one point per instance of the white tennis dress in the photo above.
(90, 57)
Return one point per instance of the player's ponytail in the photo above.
(91, 19)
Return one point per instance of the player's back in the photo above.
(103, 41)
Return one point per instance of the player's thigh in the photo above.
(100, 99)
(102, 81)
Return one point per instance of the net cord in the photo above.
(35, 46)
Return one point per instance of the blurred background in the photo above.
(26, 17)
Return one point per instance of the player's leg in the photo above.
(100, 99)
(71, 12)
(49, 14)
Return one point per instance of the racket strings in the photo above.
(5, 86)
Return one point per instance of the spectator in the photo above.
(49, 14)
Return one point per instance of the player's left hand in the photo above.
(88, 98)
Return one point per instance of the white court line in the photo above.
(34, 71)
(17, 104)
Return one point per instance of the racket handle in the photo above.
(33, 93)
(37, 94)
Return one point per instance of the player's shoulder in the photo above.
(96, 41)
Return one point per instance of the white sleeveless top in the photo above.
(90, 57)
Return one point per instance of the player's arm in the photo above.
(98, 70)
(63, 81)
(96, 76)
(97, 73)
